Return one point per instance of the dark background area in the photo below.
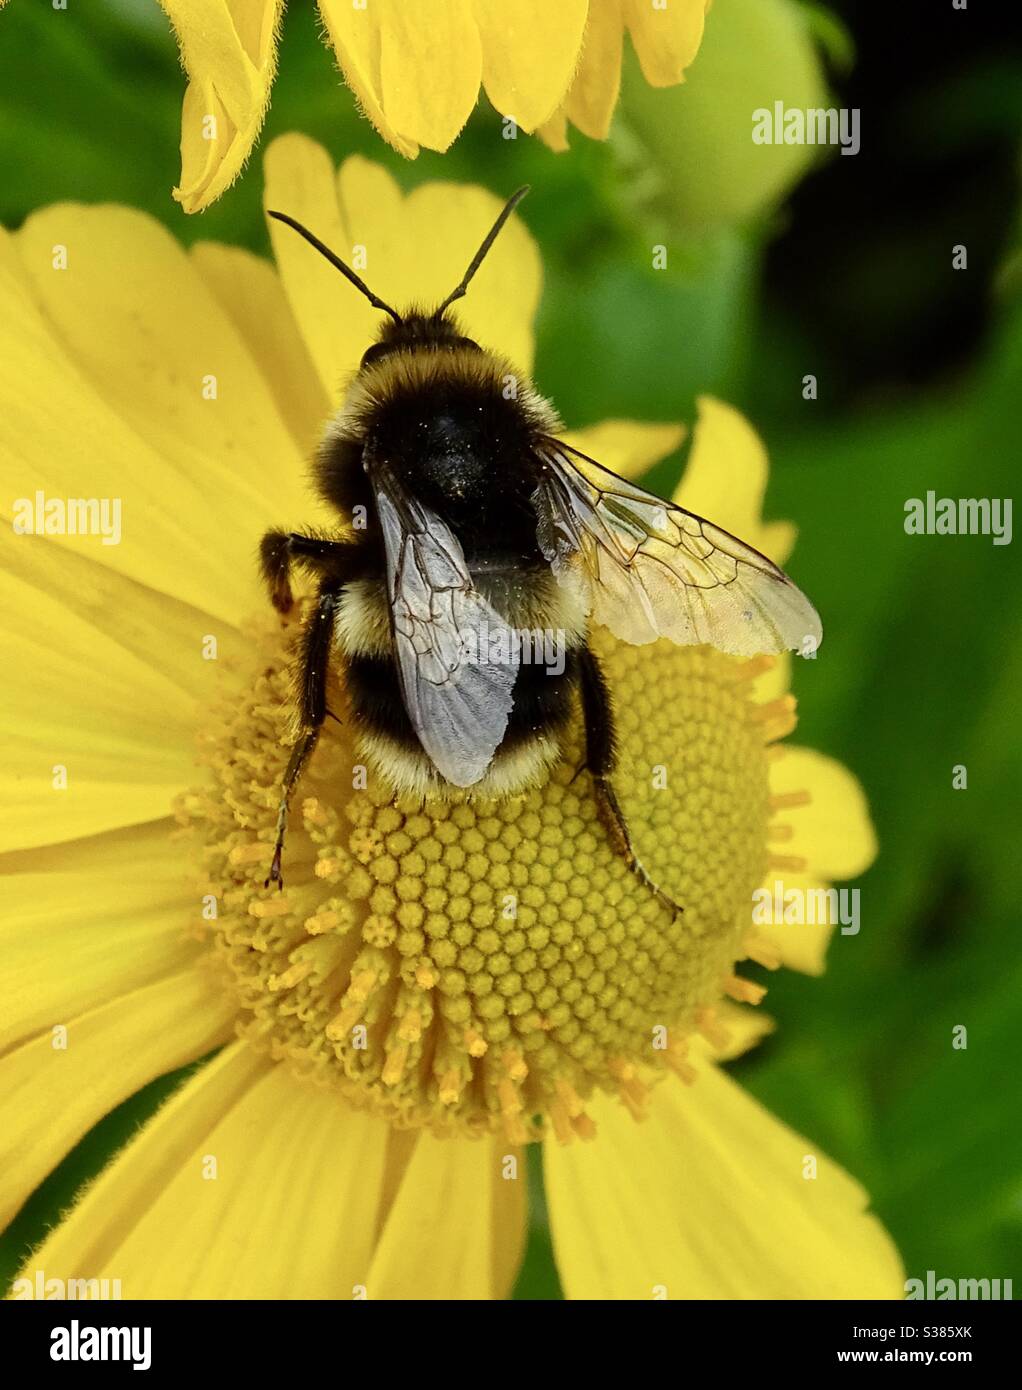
(861, 263)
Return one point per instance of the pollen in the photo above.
(475, 966)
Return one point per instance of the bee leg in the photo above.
(279, 550)
(600, 754)
(312, 673)
(300, 755)
(610, 813)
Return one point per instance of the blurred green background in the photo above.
(781, 262)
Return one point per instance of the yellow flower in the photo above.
(188, 389)
(416, 69)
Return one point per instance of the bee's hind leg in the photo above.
(600, 754)
(612, 817)
(312, 677)
(300, 755)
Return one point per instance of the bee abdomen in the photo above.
(542, 703)
(388, 742)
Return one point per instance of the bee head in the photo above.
(419, 330)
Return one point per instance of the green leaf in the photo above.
(698, 135)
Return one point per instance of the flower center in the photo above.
(472, 966)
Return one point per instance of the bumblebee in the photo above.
(483, 528)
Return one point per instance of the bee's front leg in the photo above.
(313, 667)
(279, 550)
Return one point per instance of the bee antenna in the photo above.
(480, 255)
(335, 261)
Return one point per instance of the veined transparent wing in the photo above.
(445, 634)
(651, 569)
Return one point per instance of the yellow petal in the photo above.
(163, 633)
(229, 51)
(510, 1216)
(95, 737)
(775, 681)
(627, 447)
(413, 248)
(593, 94)
(833, 831)
(430, 68)
(707, 1199)
(138, 413)
(336, 323)
(456, 1224)
(530, 49)
(356, 37)
(445, 223)
(554, 132)
(726, 477)
(800, 944)
(745, 1028)
(61, 438)
(54, 1095)
(169, 359)
(83, 1243)
(247, 1184)
(88, 922)
(776, 540)
(415, 69)
(666, 37)
(833, 837)
(249, 292)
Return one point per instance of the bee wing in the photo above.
(649, 569)
(458, 705)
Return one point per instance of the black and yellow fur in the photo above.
(458, 425)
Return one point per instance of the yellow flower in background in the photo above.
(147, 707)
(416, 69)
